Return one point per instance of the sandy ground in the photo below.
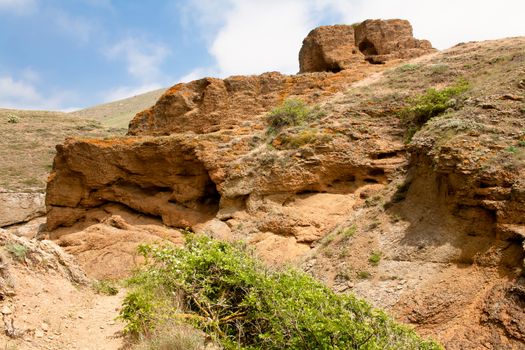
(51, 313)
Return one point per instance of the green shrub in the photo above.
(430, 104)
(221, 289)
(407, 67)
(374, 258)
(364, 275)
(348, 232)
(19, 251)
(13, 118)
(437, 69)
(105, 287)
(511, 149)
(293, 112)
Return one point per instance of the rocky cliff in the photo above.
(425, 219)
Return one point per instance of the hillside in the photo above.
(27, 144)
(117, 114)
(385, 169)
(28, 138)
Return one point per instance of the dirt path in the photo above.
(49, 312)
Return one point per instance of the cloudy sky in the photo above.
(67, 54)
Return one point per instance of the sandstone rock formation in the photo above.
(381, 41)
(338, 47)
(329, 49)
(443, 212)
(16, 207)
(208, 105)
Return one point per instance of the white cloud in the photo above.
(23, 94)
(142, 58)
(250, 37)
(122, 92)
(30, 75)
(79, 28)
(260, 36)
(19, 7)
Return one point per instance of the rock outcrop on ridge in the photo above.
(338, 47)
(429, 227)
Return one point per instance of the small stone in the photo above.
(512, 97)
(6, 310)
(487, 105)
(111, 323)
(44, 326)
(101, 327)
(39, 333)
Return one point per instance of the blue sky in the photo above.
(67, 54)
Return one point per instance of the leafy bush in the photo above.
(105, 287)
(374, 258)
(430, 104)
(364, 275)
(293, 112)
(13, 118)
(221, 289)
(19, 251)
(348, 232)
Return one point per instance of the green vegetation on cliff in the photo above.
(430, 104)
(221, 289)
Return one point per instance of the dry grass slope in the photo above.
(117, 114)
(27, 144)
(28, 138)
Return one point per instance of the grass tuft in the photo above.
(17, 250)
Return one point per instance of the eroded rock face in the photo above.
(210, 104)
(160, 177)
(338, 47)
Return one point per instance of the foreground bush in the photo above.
(222, 290)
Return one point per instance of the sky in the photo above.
(71, 54)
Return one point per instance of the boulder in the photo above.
(329, 49)
(16, 207)
(383, 40)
